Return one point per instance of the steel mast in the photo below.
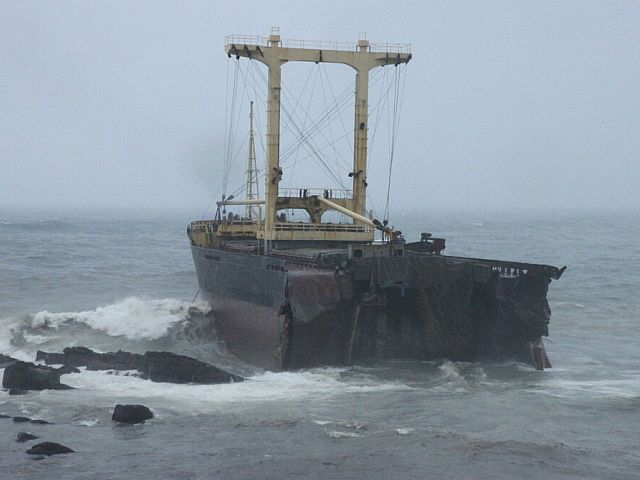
(252, 190)
(274, 53)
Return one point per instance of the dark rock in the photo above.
(21, 419)
(48, 449)
(131, 414)
(65, 369)
(28, 376)
(85, 357)
(195, 312)
(25, 437)
(155, 366)
(5, 361)
(17, 391)
(2, 415)
(50, 358)
(37, 421)
(80, 356)
(169, 367)
(125, 373)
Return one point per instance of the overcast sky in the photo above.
(520, 104)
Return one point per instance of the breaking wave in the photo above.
(134, 323)
(134, 317)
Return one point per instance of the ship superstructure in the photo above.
(315, 200)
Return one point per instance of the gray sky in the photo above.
(520, 104)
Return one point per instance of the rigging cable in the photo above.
(398, 89)
(304, 123)
(308, 143)
(231, 131)
(319, 123)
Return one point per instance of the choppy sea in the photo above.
(125, 280)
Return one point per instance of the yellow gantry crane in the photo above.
(274, 53)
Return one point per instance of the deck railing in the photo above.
(308, 192)
(241, 40)
(321, 227)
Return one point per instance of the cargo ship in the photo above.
(289, 295)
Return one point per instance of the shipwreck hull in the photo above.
(283, 313)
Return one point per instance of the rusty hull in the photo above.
(287, 313)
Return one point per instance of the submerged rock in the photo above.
(48, 449)
(85, 357)
(339, 434)
(28, 376)
(27, 419)
(66, 369)
(40, 422)
(25, 437)
(131, 414)
(173, 368)
(2, 415)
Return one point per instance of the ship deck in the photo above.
(322, 256)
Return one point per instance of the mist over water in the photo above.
(111, 280)
(519, 123)
(511, 103)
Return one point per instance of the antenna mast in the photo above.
(252, 211)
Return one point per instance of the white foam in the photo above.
(405, 430)
(133, 317)
(457, 377)
(450, 371)
(338, 434)
(267, 387)
(36, 339)
(322, 422)
(87, 423)
(14, 352)
(628, 387)
(7, 327)
(354, 425)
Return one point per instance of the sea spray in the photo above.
(134, 317)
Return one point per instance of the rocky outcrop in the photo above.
(154, 366)
(73, 357)
(85, 357)
(19, 419)
(5, 361)
(66, 369)
(50, 358)
(25, 437)
(28, 376)
(48, 449)
(131, 414)
(169, 367)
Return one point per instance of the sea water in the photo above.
(113, 280)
